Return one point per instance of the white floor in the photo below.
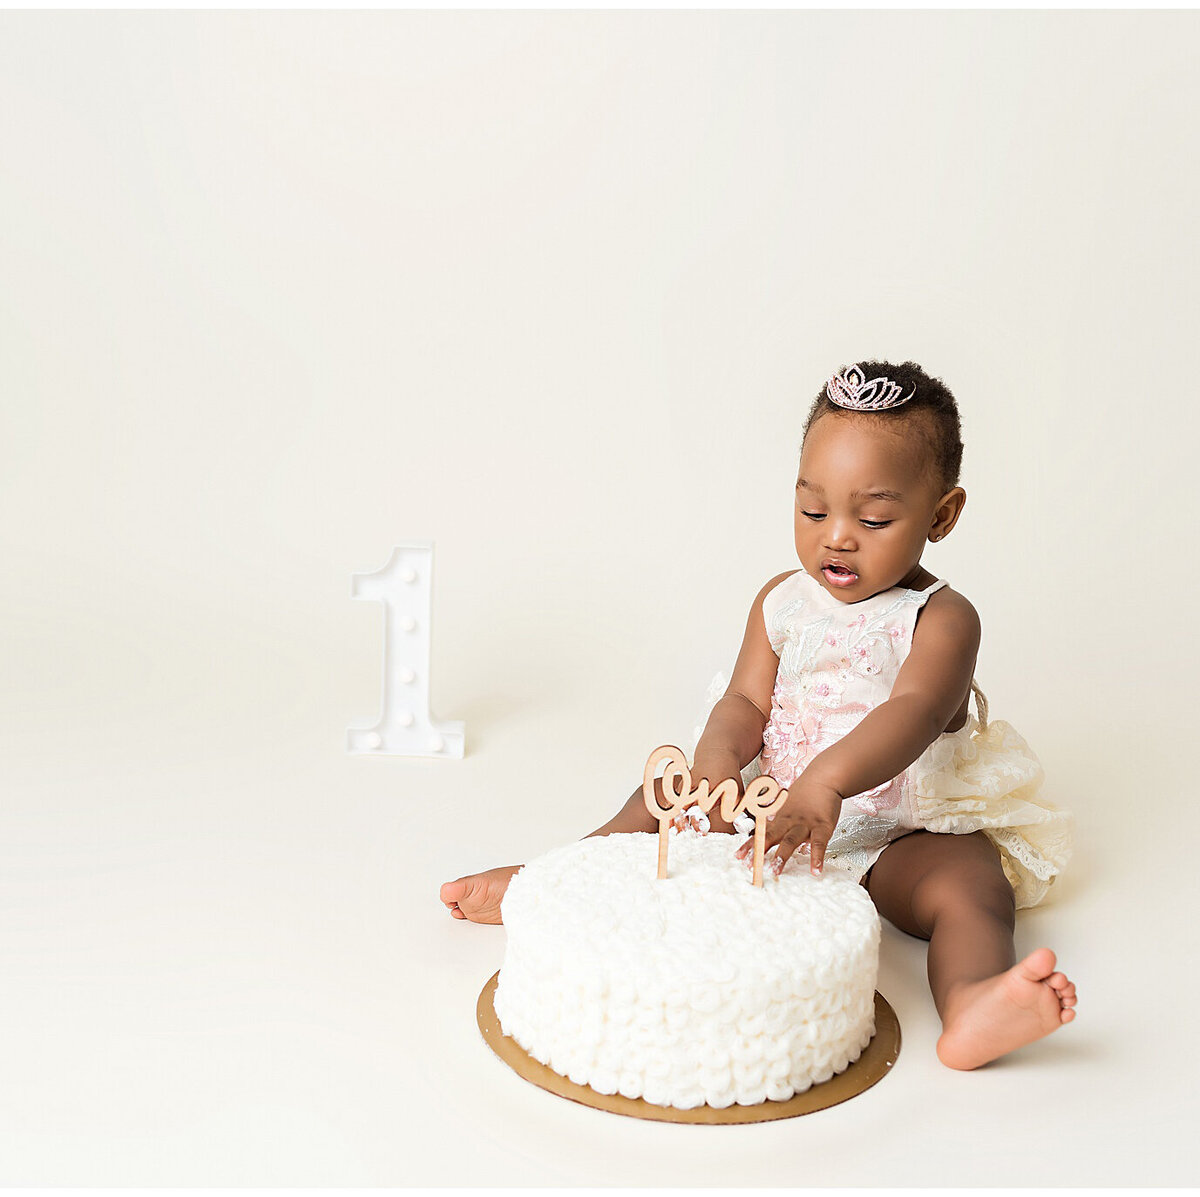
(225, 962)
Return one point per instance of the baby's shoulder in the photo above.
(777, 581)
(948, 613)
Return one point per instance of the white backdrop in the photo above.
(553, 290)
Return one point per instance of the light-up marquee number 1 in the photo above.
(405, 587)
(762, 798)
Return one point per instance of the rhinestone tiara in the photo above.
(851, 389)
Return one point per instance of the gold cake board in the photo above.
(874, 1064)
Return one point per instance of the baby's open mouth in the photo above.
(839, 575)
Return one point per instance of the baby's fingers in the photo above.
(746, 849)
(795, 837)
(819, 842)
(771, 843)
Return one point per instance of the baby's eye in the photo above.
(875, 523)
(815, 515)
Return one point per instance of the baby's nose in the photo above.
(841, 536)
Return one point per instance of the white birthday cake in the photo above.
(696, 989)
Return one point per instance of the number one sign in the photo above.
(405, 587)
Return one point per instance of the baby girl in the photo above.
(852, 689)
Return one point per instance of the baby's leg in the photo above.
(951, 890)
(478, 896)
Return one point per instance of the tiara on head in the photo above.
(852, 390)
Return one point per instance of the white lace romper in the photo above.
(837, 662)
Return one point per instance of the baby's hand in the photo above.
(805, 821)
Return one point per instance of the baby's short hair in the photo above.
(931, 414)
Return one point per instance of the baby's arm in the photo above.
(733, 735)
(929, 690)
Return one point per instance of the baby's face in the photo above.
(865, 505)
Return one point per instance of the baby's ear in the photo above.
(946, 514)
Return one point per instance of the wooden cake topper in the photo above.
(763, 797)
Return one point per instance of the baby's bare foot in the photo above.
(985, 1019)
(478, 896)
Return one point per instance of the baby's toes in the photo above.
(1066, 1000)
(1061, 985)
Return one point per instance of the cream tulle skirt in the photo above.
(985, 777)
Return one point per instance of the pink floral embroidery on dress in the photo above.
(795, 735)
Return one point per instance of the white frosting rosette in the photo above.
(697, 989)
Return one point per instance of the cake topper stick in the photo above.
(676, 769)
(763, 797)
